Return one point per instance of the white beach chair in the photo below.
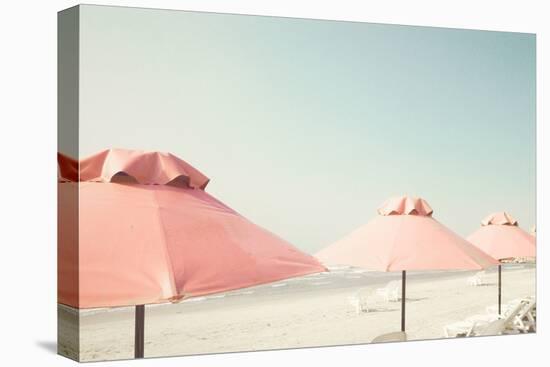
(467, 326)
(525, 320)
(480, 278)
(496, 327)
(488, 324)
(399, 336)
(391, 292)
(359, 301)
(504, 325)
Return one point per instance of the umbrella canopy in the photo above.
(149, 233)
(502, 238)
(405, 236)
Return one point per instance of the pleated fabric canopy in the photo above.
(148, 233)
(501, 237)
(404, 236)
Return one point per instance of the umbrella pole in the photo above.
(403, 282)
(499, 288)
(139, 331)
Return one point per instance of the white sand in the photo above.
(307, 311)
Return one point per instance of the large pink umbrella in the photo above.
(502, 238)
(404, 236)
(149, 233)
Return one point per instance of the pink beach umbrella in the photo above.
(404, 236)
(149, 233)
(502, 238)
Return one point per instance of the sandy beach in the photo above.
(301, 312)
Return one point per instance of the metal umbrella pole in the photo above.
(499, 289)
(139, 331)
(403, 284)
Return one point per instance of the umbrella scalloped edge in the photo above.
(499, 218)
(147, 168)
(405, 205)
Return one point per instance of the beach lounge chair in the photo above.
(496, 327)
(501, 326)
(399, 336)
(525, 320)
(467, 326)
(391, 292)
(489, 324)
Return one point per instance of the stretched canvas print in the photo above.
(236, 183)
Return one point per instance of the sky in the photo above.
(305, 126)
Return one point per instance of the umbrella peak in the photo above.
(143, 167)
(406, 205)
(499, 218)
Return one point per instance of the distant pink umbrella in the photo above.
(502, 238)
(404, 236)
(149, 233)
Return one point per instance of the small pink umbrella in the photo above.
(404, 236)
(149, 233)
(501, 237)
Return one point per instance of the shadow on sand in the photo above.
(48, 345)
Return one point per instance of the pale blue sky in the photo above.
(306, 126)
